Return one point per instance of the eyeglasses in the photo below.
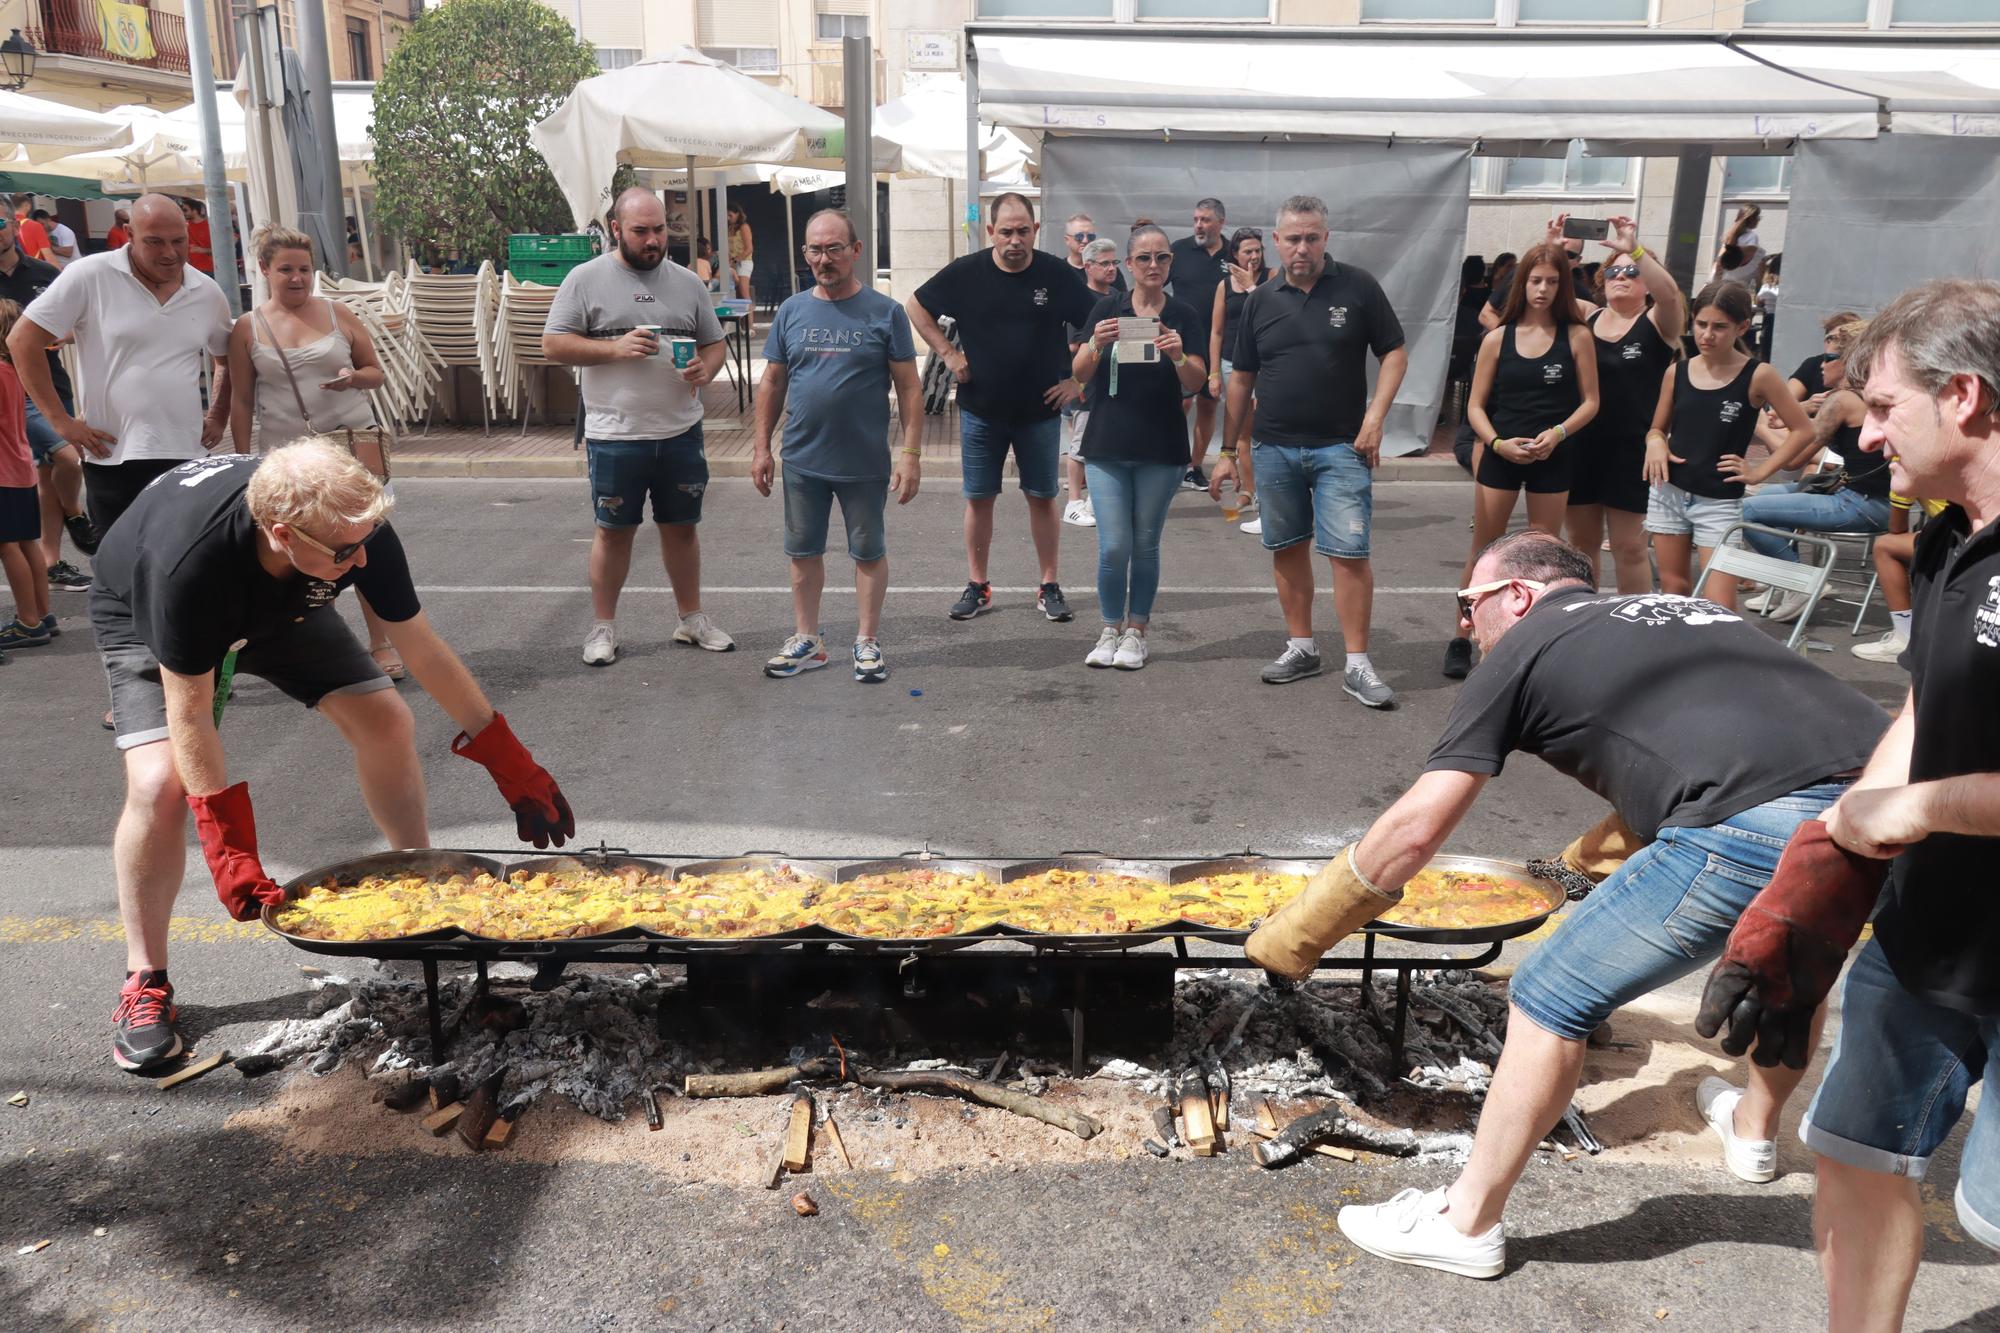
(824, 251)
(1083, 237)
(340, 555)
(1470, 598)
(1100, 263)
(1152, 259)
(1622, 271)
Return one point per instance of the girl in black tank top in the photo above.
(1525, 405)
(1705, 421)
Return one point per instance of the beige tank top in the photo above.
(277, 410)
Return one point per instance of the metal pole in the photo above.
(215, 189)
(791, 248)
(1684, 220)
(318, 62)
(367, 244)
(972, 162)
(858, 83)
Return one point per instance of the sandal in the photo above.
(386, 657)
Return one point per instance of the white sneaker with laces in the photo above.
(600, 646)
(1079, 513)
(1131, 654)
(702, 632)
(1762, 601)
(1754, 1160)
(1789, 608)
(1106, 651)
(1254, 526)
(1885, 649)
(1411, 1229)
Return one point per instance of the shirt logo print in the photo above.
(1336, 316)
(1731, 410)
(1041, 296)
(1632, 351)
(1668, 609)
(1986, 620)
(642, 298)
(1552, 373)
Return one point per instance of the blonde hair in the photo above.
(316, 484)
(270, 238)
(1840, 340)
(9, 312)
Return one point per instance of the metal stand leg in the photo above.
(1368, 971)
(435, 1013)
(1402, 1013)
(1076, 1023)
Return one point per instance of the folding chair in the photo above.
(1734, 560)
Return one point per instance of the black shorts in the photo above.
(1610, 471)
(1549, 477)
(20, 514)
(110, 488)
(318, 656)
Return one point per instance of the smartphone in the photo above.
(1586, 229)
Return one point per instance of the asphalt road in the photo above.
(1011, 748)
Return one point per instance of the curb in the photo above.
(1426, 467)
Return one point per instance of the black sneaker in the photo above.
(144, 1036)
(67, 577)
(1458, 659)
(82, 532)
(1194, 481)
(976, 598)
(1052, 603)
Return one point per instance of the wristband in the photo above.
(913, 453)
(1562, 433)
(1081, 385)
(1179, 361)
(1637, 252)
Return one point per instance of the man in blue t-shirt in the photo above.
(834, 351)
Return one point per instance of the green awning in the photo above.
(59, 187)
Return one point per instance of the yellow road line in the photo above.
(107, 930)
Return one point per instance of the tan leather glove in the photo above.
(1337, 901)
(1603, 849)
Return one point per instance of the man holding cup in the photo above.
(614, 317)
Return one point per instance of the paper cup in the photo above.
(683, 352)
(653, 329)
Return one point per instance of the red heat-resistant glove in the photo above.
(228, 831)
(541, 815)
(1786, 950)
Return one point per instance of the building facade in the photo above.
(795, 44)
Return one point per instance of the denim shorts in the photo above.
(42, 438)
(1673, 512)
(809, 504)
(624, 472)
(982, 451)
(1897, 1084)
(1326, 493)
(1661, 915)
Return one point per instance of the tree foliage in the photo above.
(454, 170)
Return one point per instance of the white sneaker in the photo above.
(1079, 513)
(1885, 649)
(1131, 653)
(600, 646)
(702, 632)
(1255, 526)
(1789, 608)
(1754, 1160)
(1411, 1229)
(1762, 601)
(1106, 651)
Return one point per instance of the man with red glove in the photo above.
(1686, 720)
(1920, 1010)
(230, 564)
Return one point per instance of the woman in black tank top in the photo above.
(1534, 384)
(1703, 425)
(1247, 272)
(1634, 346)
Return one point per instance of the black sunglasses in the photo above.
(340, 555)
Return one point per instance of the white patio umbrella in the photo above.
(681, 111)
(48, 130)
(928, 125)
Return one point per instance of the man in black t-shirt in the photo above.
(1301, 352)
(58, 465)
(1013, 305)
(1920, 1009)
(233, 563)
(1201, 262)
(1685, 719)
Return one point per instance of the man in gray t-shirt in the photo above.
(626, 319)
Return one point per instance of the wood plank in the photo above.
(1198, 1124)
(798, 1137)
(833, 1134)
(193, 1071)
(439, 1123)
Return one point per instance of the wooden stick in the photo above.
(195, 1070)
(654, 1119)
(1323, 1149)
(438, 1123)
(776, 1170)
(481, 1111)
(798, 1136)
(1267, 1119)
(977, 1090)
(499, 1133)
(833, 1134)
(760, 1082)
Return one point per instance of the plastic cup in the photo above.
(1232, 506)
(683, 352)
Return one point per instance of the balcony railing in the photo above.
(69, 28)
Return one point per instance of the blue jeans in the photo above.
(1130, 501)
(1846, 510)
(623, 473)
(982, 453)
(1661, 915)
(1325, 493)
(1897, 1084)
(809, 505)
(42, 438)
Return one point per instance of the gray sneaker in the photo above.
(1294, 663)
(1365, 685)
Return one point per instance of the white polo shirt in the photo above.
(138, 371)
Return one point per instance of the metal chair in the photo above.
(1734, 560)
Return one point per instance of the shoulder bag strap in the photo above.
(286, 362)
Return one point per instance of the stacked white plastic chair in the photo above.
(517, 344)
(411, 369)
(454, 313)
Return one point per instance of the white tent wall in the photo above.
(1398, 212)
(1871, 219)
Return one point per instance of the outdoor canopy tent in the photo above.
(43, 130)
